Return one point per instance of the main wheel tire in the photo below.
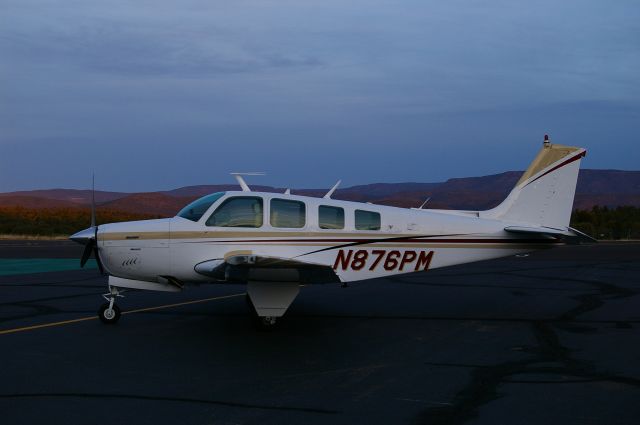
(265, 324)
(107, 315)
(261, 323)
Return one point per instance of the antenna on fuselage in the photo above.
(425, 202)
(287, 192)
(333, 189)
(242, 183)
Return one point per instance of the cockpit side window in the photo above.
(241, 211)
(195, 210)
(367, 220)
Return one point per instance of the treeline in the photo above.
(599, 222)
(57, 221)
(608, 223)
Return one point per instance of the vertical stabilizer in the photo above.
(544, 194)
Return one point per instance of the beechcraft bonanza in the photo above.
(278, 242)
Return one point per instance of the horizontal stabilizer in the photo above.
(583, 236)
(569, 234)
(537, 231)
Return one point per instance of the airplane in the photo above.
(278, 242)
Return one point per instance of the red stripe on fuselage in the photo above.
(394, 240)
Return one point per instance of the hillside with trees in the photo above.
(57, 221)
(606, 203)
(599, 222)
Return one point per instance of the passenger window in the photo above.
(367, 220)
(238, 212)
(288, 214)
(330, 217)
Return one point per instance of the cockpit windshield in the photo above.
(195, 210)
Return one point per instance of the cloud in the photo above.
(368, 79)
(111, 48)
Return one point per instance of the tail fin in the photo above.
(544, 194)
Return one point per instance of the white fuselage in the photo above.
(408, 240)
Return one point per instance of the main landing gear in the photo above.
(109, 312)
(262, 323)
(268, 301)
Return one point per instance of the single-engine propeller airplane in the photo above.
(276, 242)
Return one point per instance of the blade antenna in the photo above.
(93, 200)
(333, 189)
(242, 183)
(425, 202)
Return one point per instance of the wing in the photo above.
(256, 268)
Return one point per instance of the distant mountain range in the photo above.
(595, 187)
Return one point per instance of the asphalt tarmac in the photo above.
(551, 338)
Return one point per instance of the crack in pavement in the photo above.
(483, 386)
(174, 399)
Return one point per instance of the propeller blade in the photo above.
(98, 260)
(95, 250)
(93, 202)
(90, 243)
(86, 253)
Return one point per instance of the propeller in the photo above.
(89, 237)
(92, 246)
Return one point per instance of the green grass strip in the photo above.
(11, 266)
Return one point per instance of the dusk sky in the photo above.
(154, 95)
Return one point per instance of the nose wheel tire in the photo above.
(108, 314)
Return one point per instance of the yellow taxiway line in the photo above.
(139, 310)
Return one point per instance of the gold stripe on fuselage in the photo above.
(256, 238)
(117, 236)
(385, 245)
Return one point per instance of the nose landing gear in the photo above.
(109, 312)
